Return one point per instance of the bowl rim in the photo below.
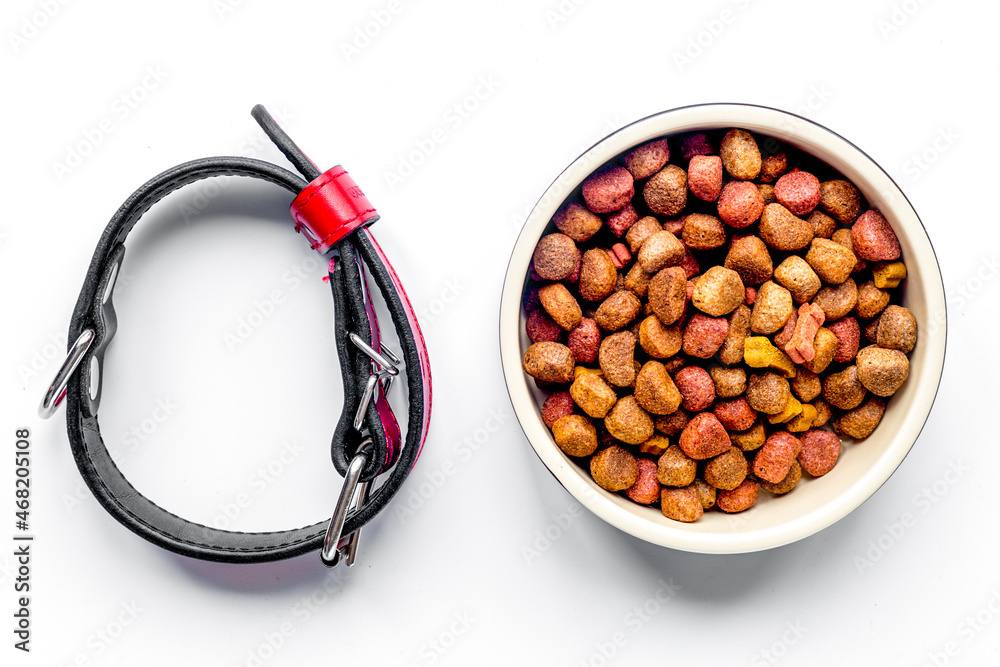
(846, 158)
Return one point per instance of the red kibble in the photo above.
(646, 489)
(695, 144)
(820, 451)
(704, 335)
(848, 333)
(736, 415)
(873, 238)
(705, 177)
(620, 221)
(585, 341)
(675, 226)
(540, 327)
(740, 204)
(743, 497)
(775, 458)
(608, 190)
(621, 251)
(798, 191)
(557, 406)
(751, 296)
(704, 437)
(696, 387)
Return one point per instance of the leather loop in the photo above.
(330, 208)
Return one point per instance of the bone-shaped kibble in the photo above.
(800, 347)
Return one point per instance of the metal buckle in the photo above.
(57, 390)
(354, 494)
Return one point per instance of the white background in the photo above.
(466, 575)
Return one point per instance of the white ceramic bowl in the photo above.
(863, 467)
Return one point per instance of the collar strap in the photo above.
(333, 214)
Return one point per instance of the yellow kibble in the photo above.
(804, 420)
(888, 274)
(759, 352)
(792, 409)
(655, 445)
(580, 370)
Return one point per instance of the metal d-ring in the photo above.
(57, 390)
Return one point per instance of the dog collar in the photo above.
(334, 215)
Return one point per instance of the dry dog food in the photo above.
(710, 320)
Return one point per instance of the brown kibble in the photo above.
(576, 222)
(703, 335)
(773, 166)
(740, 155)
(655, 390)
(729, 382)
(823, 413)
(555, 257)
(657, 340)
(673, 423)
(727, 470)
(618, 310)
(736, 415)
(871, 300)
(666, 191)
(820, 451)
(681, 504)
(798, 191)
(675, 468)
(775, 458)
(873, 237)
(731, 351)
(832, 261)
(705, 177)
(655, 445)
(593, 395)
(772, 308)
(646, 160)
(840, 199)
(668, 294)
(706, 493)
(660, 250)
(703, 232)
(750, 439)
(742, 498)
(823, 225)
(871, 330)
(696, 387)
(597, 275)
(704, 437)
(646, 489)
(768, 393)
(882, 371)
(616, 358)
(862, 420)
(748, 256)
(825, 344)
(637, 281)
(782, 230)
(549, 362)
(837, 300)
(766, 191)
(640, 231)
(843, 389)
(584, 341)
(614, 469)
(798, 277)
(784, 486)
(843, 237)
(897, 329)
(806, 385)
(719, 291)
(555, 406)
(608, 190)
(560, 305)
(575, 435)
(740, 204)
(628, 422)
